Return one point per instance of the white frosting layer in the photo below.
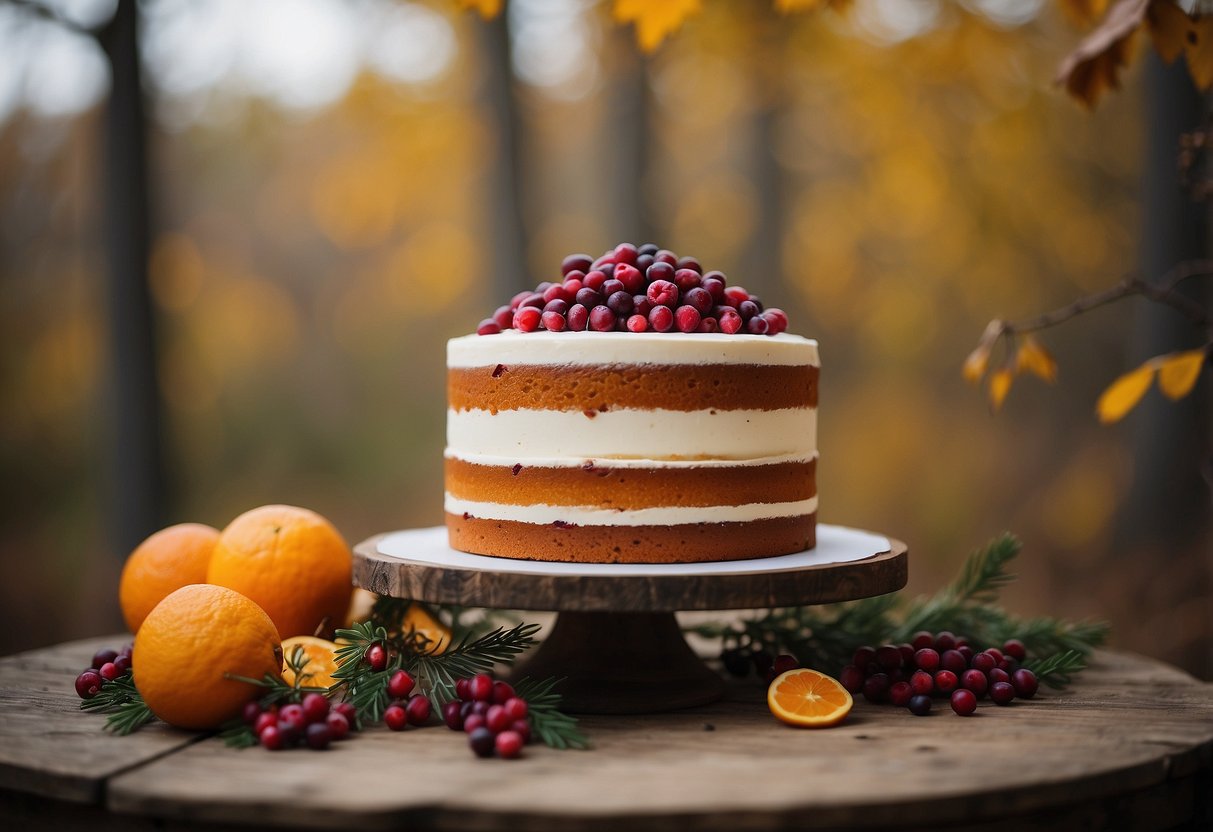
(635, 434)
(580, 348)
(578, 462)
(663, 516)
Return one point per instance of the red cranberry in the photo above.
(250, 712)
(109, 671)
(863, 656)
(945, 681)
(876, 687)
(488, 327)
(851, 678)
(534, 299)
(594, 280)
(643, 262)
(339, 726)
(271, 738)
(504, 317)
(479, 707)
(610, 287)
(395, 717)
(686, 279)
(736, 294)
(523, 728)
(975, 681)
(699, 298)
(580, 262)
(983, 662)
(482, 742)
(526, 319)
(690, 263)
(451, 715)
(502, 692)
(88, 684)
(660, 270)
(649, 249)
(661, 319)
(607, 269)
(263, 719)
(1015, 649)
(920, 705)
(663, 293)
(626, 253)
(747, 309)
(927, 659)
(776, 323)
(602, 319)
(347, 710)
(292, 715)
(573, 279)
(687, 318)
(620, 303)
(418, 709)
(578, 317)
(922, 682)
(900, 694)
(1002, 693)
(966, 651)
(964, 702)
(553, 321)
(953, 661)
(462, 690)
(589, 298)
(557, 292)
(516, 708)
(996, 653)
(783, 663)
(400, 684)
(1025, 683)
(315, 707)
(473, 721)
(708, 325)
(922, 639)
(638, 323)
(629, 278)
(318, 736)
(714, 287)
(641, 304)
(888, 657)
(757, 325)
(665, 256)
(945, 641)
(102, 657)
(497, 719)
(508, 744)
(558, 306)
(481, 687)
(998, 675)
(730, 322)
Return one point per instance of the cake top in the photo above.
(616, 348)
(636, 289)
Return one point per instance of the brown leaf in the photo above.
(1095, 63)
(1000, 385)
(1123, 394)
(1083, 12)
(1177, 372)
(1200, 52)
(654, 19)
(979, 359)
(1170, 28)
(1033, 358)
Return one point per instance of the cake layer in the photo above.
(610, 485)
(690, 543)
(633, 434)
(561, 515)
(573, 348)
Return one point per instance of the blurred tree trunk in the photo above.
(627, 134)
(508, 264)
(136, 478)
(1166, 521)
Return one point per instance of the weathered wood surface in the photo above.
(877, 575)
(48, 746)
(1131, 746)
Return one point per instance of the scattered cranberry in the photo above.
(689, 263)
(638, 323)
(452, 715)
(783, 663)
(319, 736)
(900, 694)
(1025, 683)
(575, 262)
(1015, 649)
(687, 279)
(996, 653)
(488, 327)
(945, 641)
(945, 681)
(418, 709)
(927, 659)
(983, 662)
(103, 657)
(953, 660)
(730, 321)
(271, 738)
(553, 321)
(522, 727)
(1002, 693)
(661, 319)
(975, 681)
(526, 319)
(497, 719)
(516, 708)
(347, 710)
(687, 318)
(482, 742)
(602, 319)
(395, 717)
(508, 744)
(851, 678)
(400, 684)
(876, 687)
(376, 657)
(663, 293)
(292, 716)
(963, 701)
(626, 253)
(250, 712)
(109, 671)
(920, 704)
(998, 675)
(338, 725)
(922, 682)
(263, 721)
(315, 707)
(88, 684)
(481, 687)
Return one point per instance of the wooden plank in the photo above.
(1135, 734)
(48, 746)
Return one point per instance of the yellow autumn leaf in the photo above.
(1082, 12)
(1123, 394)
(977, 362)
(1000, 385)
(1169, 27)
(1177, 373)
(488, 8)
(654, 19)
(1093, 67)
(1200, 52)
(1035, 359)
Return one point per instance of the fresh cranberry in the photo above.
(920, 705)
(927, 659)
(400, 684)
(315, 707)
(319, 736)
(502, 692)
(665, 256)
(1025, 683)
(641, 304)
(534, 299)
(481, 687)
(699, 298)
(629, 278)
(452, 716)
(757, 325)
(687, 279)
(660, 270)
(713, 286)
(708, 325)
(271, 738)
(523, 728)
(1007, 665)
(922, 639)
(607, 269)
(482, 742)
(508, 744)
(851, 678)
(88, 684)
(998, 675)
(109, 671)
(264, 719)
(687, 318)
(966, 651)
(594, 280)
(339, 726)
(560, 307)
(473, 721)
(945, 641)
(996, 653)
(347, 710)
(610, 287)
(638, 323)
(580, 262)
(480, 707)
(620, 303)
(102, 657)
(863, 656)
(589, 298)
(900, 694)
(553, 321)
(736, 295)
(643, 262)
(888, 657)
(945, 681)
(1015, 649)
(777, 319)
(516, 708)
(504, 317)
(250, 712)
(293, 716)
(497, 719)
(578, 317)
(527, 319)
(395, 717)
(690, 263)
(964, 702)
(730, 321)
(626, 253)
(649, 249)
(558, 292)
(418, 709)
(952, 660)
(747, 309)
(602, 319)
(661, 319)
(783, 663)
(876, 687)
(663, 293)
(975, 681)
(922, 682)
(1002, 693)
(488, 327)
(983, 662)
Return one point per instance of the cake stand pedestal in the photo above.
(616, 641)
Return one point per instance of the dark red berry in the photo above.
(783, 663)
(983, 662)
(339, 726)
(508, 744)
(1015, 649)
(462, 689)
(665, 256)
(497, 719)
(517, 300)
(660, 270)
(730, 321)
(876, 687)
(998, 675)
(250, 712)
(479, 707)
(661, 319)
(699, 298)
(102, 657)
(747, 309)
(641, 304)
(927, 659)
(686, 279)
(452, 715)
(502, 692)
(589, 298)
(946, 681)
(573, 285)
(88, 684)
(851, 678)
(482, 742)
(952, 660)
(777, 321)
(966, 651)
(293, 716)
(109, 671)
(516, 708)
(1025, 683)
(687, 318)
(263, 719)
(713, 286)
(594, 280)
(922, 682)
(649, 249)
(481, 687)
(945, 641)
(315, 707)
(319, 736)
(708, 325)
(629, 278)
(602, 319)
(610, 287)
(757, 325)
(578, 317)
(418, 709)
(663, 293)
(920, 705)
(638, 323)
(690, 263)
(473, 721)
(621, 303)
(996, 653)
(975, 681)
(347, 710)
(900, 694)
(395, 717)
(1002, 693)
(863, 656)
(964, 702)
(626, 253)
(534, 299)
(580, 262)
(526, 319)
(523, 728)
(553, 321)
(557, 292)
(504, 317)
(271, 738)
(888, 657)
(488, 327)
(735, 296)
(400, 684)
(922, 639)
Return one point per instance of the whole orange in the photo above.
(187, 646)
(168, 560)
(289, 560)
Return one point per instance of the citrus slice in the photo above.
(418, 620)
(321, 661)
(808, 699)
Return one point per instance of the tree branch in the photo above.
(47, 13)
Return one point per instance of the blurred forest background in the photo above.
(336, 188)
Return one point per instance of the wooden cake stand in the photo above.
(616, 641)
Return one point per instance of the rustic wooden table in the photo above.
(1130, 746)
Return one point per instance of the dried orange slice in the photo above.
(808, 699)
(321, 661)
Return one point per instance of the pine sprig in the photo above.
(125, 706)
(437, 672)
(554, 728)
(1058, 670)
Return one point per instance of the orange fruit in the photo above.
(187, 645)
(418, 619)
(321, 661)
(291, 562)
(168, 560)
(808, 699)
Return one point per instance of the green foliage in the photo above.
(125, 706)
(553, 728)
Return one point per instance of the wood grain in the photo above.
(386, 575)
(1131, 746)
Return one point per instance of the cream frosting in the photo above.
(590, 348)
(658, 516)
(617, 462)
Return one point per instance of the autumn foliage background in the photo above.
(895, 177)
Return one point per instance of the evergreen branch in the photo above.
(1058, 670)
(984, 571)
(124, 704)
(237, 734)
(437, 672)
(554, 728)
